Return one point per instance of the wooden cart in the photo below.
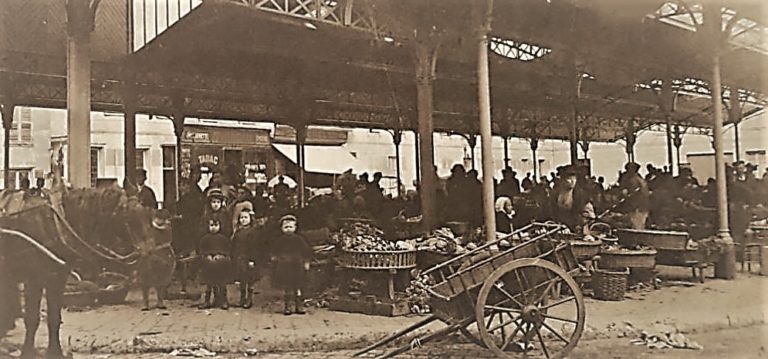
(516, 301)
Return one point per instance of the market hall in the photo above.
(611, 72)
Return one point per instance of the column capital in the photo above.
(81, 17)
(397, 137)
(178, 123)
(7, 113)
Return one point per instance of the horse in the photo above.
(42, 240)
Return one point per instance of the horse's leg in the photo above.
(183, 279)
(33, 293)
(54, 295)
(145, 296)
(161, 293)
(10, 305)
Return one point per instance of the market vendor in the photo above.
(569, 202)
(636, 203)
(504, 215)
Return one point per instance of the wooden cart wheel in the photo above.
(519, 314)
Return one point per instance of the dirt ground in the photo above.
(695, 309)
(742, 343)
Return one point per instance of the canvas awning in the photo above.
(321, 159)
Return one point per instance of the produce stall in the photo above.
(675, 248)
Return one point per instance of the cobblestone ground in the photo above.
(124, 329)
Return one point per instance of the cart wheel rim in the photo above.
(528, 319)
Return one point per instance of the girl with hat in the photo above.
(291, 255)
(217, 208)
(248, 250)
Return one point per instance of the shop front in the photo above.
(246, 152)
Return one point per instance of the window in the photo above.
(140, 152)
(392, 163)
(21, 128)
(94, 165)
(169, 157)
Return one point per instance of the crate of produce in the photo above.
(653, 238)
(627, 258)
(379, 260)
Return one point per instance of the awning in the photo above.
(321, 159)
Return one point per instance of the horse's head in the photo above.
(137, 223)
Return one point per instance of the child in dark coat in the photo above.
(291, 255)
(215, 251)
(248, 254)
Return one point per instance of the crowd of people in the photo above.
(239, 233)
(570, 195)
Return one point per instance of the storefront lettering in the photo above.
(208, 158)
(197, 137)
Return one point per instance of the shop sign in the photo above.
(197, 137)
(208, 158)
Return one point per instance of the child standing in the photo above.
(215, 249)
(217, 208)
(157, 260)
(247, 254)
(291, 255)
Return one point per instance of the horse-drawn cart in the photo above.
(517, 299)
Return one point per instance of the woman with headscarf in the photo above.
(504, 214)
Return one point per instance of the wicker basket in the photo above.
(378, 260)
(79, 299)
(112, 296)
(652, 238)
(609, 285)
(625, 258)
(584, 250)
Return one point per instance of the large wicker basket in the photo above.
(610, 285)
(653, 238)
(380, 260)
(584, 250)
(625, 258)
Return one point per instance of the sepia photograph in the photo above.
(331, 179)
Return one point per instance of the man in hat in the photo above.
(145, 194)
(569, 203)
(636, 203)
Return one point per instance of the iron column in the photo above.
(484, 97)
(426, 57)
(80, 24)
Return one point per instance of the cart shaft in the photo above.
(419, 341)
(397, 335)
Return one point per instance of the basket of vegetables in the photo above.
(585, 249)
(379, 260)
(363, 247)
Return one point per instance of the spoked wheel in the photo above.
(519, 315)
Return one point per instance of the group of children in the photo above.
(242, 251)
